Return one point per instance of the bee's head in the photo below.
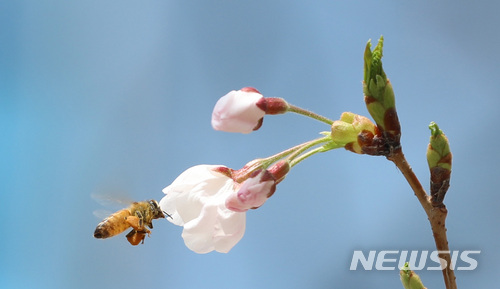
(157, 212)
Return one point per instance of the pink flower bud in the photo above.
(237, 111)
(253, 193)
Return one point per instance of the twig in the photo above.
(436, 216)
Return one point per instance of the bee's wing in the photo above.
(102, 214)
(109, 201)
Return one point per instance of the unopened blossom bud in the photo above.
(353, 131)
(279, 170)
(379, 96)
(253, 193)
(439, 160)
(256, 189)
(237, 111)
(410, 279)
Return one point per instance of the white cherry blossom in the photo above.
(196, 201)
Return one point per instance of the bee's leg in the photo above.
(137, 223)
(132, 232)
(133, 221)
(134, 237)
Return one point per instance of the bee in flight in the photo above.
(138, 215)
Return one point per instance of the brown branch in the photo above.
(436, 216)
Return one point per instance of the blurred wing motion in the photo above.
(116, 200)
(139, 216)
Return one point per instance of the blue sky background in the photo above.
(116, 97)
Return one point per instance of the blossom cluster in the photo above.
(211, 201)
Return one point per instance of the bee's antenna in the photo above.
(166, 214)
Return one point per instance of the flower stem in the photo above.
(295, 155)
(436, 216)
(304, 156)
(296, 109)
(299, 156)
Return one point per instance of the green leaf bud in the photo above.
(439, 159)
(379, 95)
(410, 279)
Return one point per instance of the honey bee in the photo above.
(138, 215)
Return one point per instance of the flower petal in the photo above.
(196, 200)
(186, 191)
(237, 111)
(215, 229)
(253, 193)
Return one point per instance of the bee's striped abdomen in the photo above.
(112, 225)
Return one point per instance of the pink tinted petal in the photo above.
(237, 111)
(232, 230)
(253, 193)
(256, 194)
(214, 231)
